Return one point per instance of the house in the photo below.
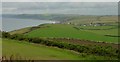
(99, 24)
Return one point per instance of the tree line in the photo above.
(97, 50)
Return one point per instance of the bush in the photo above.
(5, 35)
(98, 50)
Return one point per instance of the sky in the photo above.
(82, 8)
(60, 0)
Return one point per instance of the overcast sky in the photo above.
(82, 8)
(60, 0)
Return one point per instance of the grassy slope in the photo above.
(26, 50)
(62, 30)
(20, 31)
(105, 32)
(108, 31)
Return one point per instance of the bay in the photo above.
(10, 24)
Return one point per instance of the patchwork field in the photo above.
(17, 50)
(79, 31)
(93, 19)
(60, 31)
(102, 30)
(69, 31)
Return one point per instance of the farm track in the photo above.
(86, 42)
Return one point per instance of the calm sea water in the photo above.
(10, 24)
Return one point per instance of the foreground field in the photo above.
(24, 50)
(69, 31)
(30, 51)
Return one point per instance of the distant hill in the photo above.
(52, 17)
(68, 18)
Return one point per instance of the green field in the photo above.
(24, 50)
(68, 31)
(67, 28)
(102, 30)
(30, 51)
(105, 32)
(21, 31)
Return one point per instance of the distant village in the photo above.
(87, 24)
(92, 24)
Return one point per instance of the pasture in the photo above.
(33, 51)
(69, 31)
(18, 50)
(102, 30)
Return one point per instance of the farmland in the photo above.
(69, 31)
(23, 50)
(51, 31)
(94, 28)
(93, 19)
(101, 35)
(103, 30)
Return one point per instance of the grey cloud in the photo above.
(90, 8)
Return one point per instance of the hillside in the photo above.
(34, 51)
(62, 31)
(69, 31)
(18, 50)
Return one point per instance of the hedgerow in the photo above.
(97, 50)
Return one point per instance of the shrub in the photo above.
(5, 35)
(98, 50)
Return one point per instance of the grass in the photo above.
(20, 31)
(25, 50)
(102, 30)
(68, 31)
(13, 47)
(105, 32)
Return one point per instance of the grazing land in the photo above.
(21, 31)
(24, 50)
(102, 30)
(60, 31)
(70, 31)
(94, 28)
(80, 31)
(34, 51)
